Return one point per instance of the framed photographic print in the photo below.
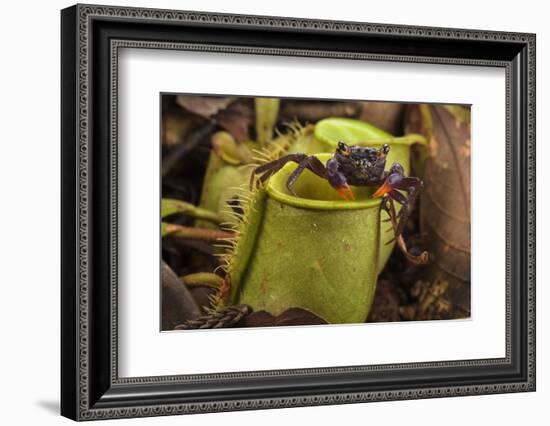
(263, 212)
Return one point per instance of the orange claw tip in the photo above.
(346, 193)
(383, 190)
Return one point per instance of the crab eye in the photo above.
(343, 148)
(383, 151)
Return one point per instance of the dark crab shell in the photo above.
(362, 166)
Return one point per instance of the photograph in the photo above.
(294, 211)
(267, 210)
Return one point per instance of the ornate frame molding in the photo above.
(78, 24)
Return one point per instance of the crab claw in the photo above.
(345, 192)
(383, 190)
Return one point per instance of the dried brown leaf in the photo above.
(178, 305)
(385, 307)
(237, 119)
(292, 316)
(176, 125)
(387, 116)
(445, 201)
(312, 112)
(204, 106)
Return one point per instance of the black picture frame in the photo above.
(90, 386)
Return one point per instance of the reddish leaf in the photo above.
(292, 316)
(298, 316)
(205, 106)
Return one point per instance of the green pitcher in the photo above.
(356, 132)
(313, 251)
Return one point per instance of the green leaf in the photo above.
(171, 206)
(202, 278)
(267, 111)
(333, 130)
(229, 150)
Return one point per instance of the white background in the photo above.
(29, 223)
(143, 351)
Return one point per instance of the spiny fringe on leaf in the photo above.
(247, 198)
(230, 245)
(277, 147)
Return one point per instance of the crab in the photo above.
(358, 166)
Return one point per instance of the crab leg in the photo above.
(265, 171)
(304, 161)
(338, 181)
(394, 181)
(311, 163)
